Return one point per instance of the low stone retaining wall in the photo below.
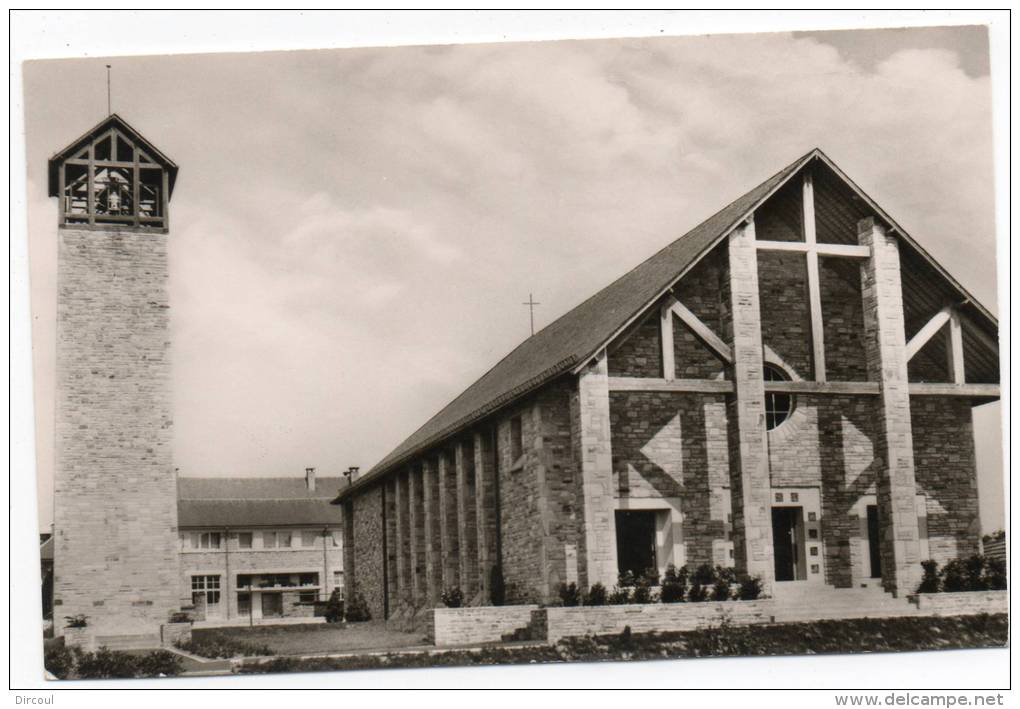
(172, 633)
(483, 624)
(80, 637)
(555, 623)
(963, 603)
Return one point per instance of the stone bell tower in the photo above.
(116, 545)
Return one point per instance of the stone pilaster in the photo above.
(467, 522)
(433, 537)
(392, 543)
(885, 350)
(448, 522)
(750, 487)
(596, 499)
(485, 505)
(416, 529)
(403, 539)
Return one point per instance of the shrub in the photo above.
(214, 645)
(975, 566)
(930, 579)
(626, 579)
(651, 577)
(698, 593)
(357, 609)
(497, 588)
(159, 663)
(721, 590)
(642, 591)
(995, 574)
(749, 589)
(701, 581)
(724, 580)
(569, 594)
(106, 664)
(704, 575)
(76, 621)
(596, 596)
(334, 612)
(59, 660)
(453, 597)
(954, 576)
(619, 596)
(674, 584)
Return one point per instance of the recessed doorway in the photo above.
(874, 548)
(788, 543)
(635, 541)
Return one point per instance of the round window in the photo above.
(778, 406)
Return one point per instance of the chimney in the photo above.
(310, 479)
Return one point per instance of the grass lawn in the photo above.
(315, 637)
(828, 636)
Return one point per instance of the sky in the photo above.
(354, 232)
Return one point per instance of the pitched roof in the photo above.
(578, 335)
(256, 513)
(111, 121)
(255, 502)
(255, 488)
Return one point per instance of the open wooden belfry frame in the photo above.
(112, 177)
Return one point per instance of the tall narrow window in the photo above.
(516, 439)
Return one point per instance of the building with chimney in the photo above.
(258, 548)
(786, 389)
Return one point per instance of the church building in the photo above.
(786, 389)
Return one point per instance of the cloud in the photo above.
(354, 231)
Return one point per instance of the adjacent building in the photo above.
(786, 389)
(258, 548)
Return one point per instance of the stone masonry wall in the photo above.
(483, 624)
(964, 603)
(115, 478)
(946, 473)
(639, 355)
(521, 513)
(368, 549)
(556, 477)
(560, 623)
(785, 315)
(702, 293)
(671, 445)
(839, 284)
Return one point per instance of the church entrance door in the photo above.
(635, 541)
(785, 538)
